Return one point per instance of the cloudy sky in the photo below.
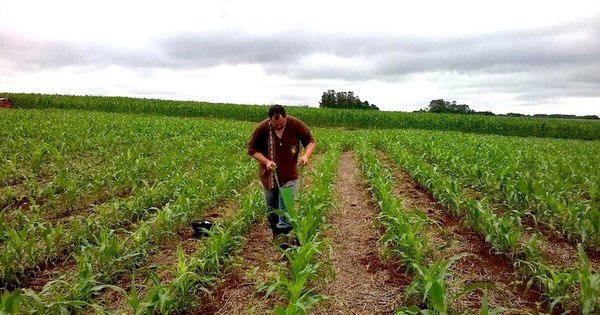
(502, 56)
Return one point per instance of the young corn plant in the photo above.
(178, 295)
(429, 283)
(10, 302)
(86, 279)
(17, 255)
(293, 280)
(589, 283)
(134, 301)
(403, 237)
(556, 284)
(485, 307)
(4, 225)
(112, 256)
(159, 299)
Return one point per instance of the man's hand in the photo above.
(303, 160)
(271, 165)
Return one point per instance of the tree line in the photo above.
(349, 100)
(442, 106)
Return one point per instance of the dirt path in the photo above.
(362, 284)
(450, 238)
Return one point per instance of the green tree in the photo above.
(348, 100)
(441, 106)
(328, 99)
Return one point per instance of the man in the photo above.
(275, 143)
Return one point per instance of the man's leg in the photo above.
(272, 201)
(283, 222)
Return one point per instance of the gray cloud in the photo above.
(379, 55)
(205, 50)
(388, 56)
(293, 98)
(538, 63)
(31, 54)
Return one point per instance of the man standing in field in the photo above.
(275, 143)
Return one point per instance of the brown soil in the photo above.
(49, 272)
(19, 201)
(448, 238)
(363, 284)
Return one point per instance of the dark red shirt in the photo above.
(286, 148)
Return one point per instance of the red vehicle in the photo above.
(6, 103)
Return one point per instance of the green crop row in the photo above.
(297, 278)
(552, 182)
(107, 256)
(199, 157)
(504, 233)
(405, 239)
(64, 161)
(109, 189)
(197, 273)
(510, 126)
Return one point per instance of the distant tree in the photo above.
(565, 116)
(328, 99)
(347, 100)
(515, 115)
(441, 106)
(561, 116)
(590, 117)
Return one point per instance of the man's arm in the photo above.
(263, 159)
(306, 138)
(309, 150)
(252, 149)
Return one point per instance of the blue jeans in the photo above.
(274, 202)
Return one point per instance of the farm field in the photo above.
(96, 206)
